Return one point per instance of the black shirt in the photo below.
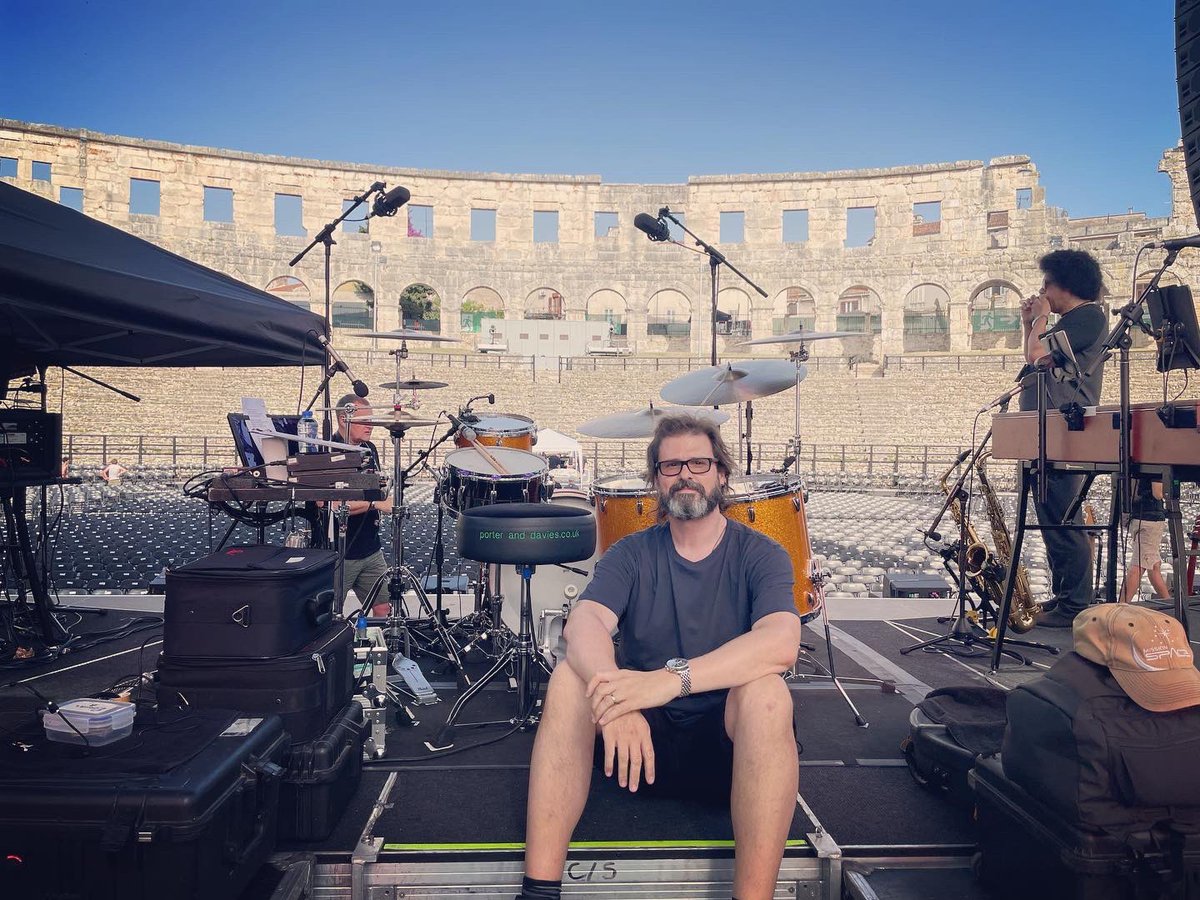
(669, 607)
(362, 531)
(1084, 327)
(1145, 505)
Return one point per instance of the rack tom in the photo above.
(774, 505)
(624, 505)
(504, 430)
(469, 480)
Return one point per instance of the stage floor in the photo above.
(424, 824)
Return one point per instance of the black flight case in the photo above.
(307, 688)
(184, 809)
(251, 601)
(321, 777)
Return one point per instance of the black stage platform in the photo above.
(419, 818)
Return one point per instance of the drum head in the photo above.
(761, 486)
(622, 486)
(506, 423)
(517, 463)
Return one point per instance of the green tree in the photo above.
(419, 301)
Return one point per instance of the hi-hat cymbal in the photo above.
(803, 337)
(405, 334)
(640, 423)
(734, 382)
(412, 385)
(399, 419)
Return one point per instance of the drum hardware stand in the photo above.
(822, 672)
(962, 630)
(402, 574)
(523, 655)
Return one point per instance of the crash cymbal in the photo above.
(405, 334)
(803, 337)
(640, 423)
(734, 382)
(401, 419)
(412, 385)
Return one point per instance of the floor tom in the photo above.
(624, 505)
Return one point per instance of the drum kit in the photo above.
(493, 471)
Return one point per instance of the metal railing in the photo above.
(883, 465)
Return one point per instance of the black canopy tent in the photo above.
(77, 292)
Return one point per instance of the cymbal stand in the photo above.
(402, 575)
(799, 357)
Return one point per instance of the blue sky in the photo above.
(649, 91)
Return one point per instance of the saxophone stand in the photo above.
(965, 638)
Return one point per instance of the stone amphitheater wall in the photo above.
(983, 234)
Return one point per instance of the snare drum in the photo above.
(774, 505)
(469, 480)
(624, 505)
(505, 430)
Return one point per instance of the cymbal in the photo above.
(412, 385)
(734, 382)
(406, 334)
(640, 423)
(803, 337)
(399, 419)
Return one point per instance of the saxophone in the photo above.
(985, 571)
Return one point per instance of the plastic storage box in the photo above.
(99, 721)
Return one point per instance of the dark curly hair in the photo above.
(1075, 271)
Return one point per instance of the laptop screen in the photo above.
(247, 451)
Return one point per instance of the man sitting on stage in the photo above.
(364, 553)
(693, 703)
(1071, 286)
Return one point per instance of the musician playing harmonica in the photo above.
(1070, 289)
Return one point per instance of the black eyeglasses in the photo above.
(697, 465)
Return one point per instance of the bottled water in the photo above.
(306, 430)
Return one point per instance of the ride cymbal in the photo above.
(801, 337)
(393, 420)
(640, 423)
(405, 334)
(734, 382)
(413, 385)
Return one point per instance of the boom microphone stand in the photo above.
(715, 259)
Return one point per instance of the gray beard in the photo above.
(688, 507)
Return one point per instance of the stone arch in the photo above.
(479, 303)
(794, 309)
(927, 318)
(291, 289)
(735, 303)
(607, 305)
(859, 310)
(995, 310)
(669, 313)
(545, 303)
(353, 305)
(420, 307)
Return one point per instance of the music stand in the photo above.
(1173, 319)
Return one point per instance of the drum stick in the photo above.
(491, 460)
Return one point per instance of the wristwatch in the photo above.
(683, 669)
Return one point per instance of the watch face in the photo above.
(677, 664)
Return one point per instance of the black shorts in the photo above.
(693, 756)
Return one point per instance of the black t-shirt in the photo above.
(1145, 505)
(1085, 328)
(362, 531)
(667, 606)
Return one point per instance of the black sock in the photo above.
(535, 889)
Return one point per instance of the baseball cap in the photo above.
(1146, 651)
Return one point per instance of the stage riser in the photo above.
(599, 879)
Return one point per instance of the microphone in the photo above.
(1175, 244)
(464, 429)
(391, 201)
(656, 229)
(1003, 400)
(360, 387)
(492, 401)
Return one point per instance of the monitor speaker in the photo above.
(1187, 75)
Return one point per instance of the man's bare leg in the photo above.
(766, 771)
(559, 774)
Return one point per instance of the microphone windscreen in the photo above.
(654, 228)
(391, 201)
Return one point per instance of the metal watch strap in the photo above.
(685, 678)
